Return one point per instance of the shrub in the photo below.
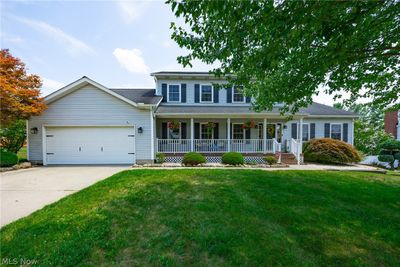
(7, 158)
(390, 145)
(390, 151)
(160, 158)
(397, 156)
(13, 136)
(193, 159)
(386, 158)
(327, 150)
(270, 160)
(233, 158)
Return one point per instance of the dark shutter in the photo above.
(216, 131)
(312, 130)
(164, 130)
(164, 92)
(345, 132)
(216, 95)
(197, 130)
(183, 130)
(196, 93)
(294, 130)
(228, 95)
(183, 92)
(247, 132)
(248, 99)
(327, 128)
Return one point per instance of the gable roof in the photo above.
(85, 81)
(145, 96)
(314, 110)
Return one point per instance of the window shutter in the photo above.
(164, 92)
(327, 127)
(216, 95)
(197, 130)
(183, 130)
(228, 95)
(183, 92)
(345, 132)
(312, 130)
(164, 129)
(294, 130)
(248, 99)
(196, 93)
(216, 131)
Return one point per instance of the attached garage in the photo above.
(89, 145)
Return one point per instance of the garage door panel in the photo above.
(90, 145)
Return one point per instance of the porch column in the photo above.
(300, 149)
(228, 133)
(265, 135)
(191, 134)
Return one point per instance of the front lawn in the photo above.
(217, 218)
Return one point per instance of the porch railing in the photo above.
(295, 148)
(217, 145)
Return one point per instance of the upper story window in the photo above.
(238, 96)
(336, 131)
(206, 93)
(174, 93)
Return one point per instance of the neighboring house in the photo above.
(88, 123)
(392, 123)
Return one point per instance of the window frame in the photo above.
(200, 128)
(341, 130)
(308, 132)
(180, 93)
(201, 93)
(233, 96)
(233, 132)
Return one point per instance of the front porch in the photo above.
(254, 138)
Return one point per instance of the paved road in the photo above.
(25, 191)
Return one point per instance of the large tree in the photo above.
(284, 51)
(19, 91)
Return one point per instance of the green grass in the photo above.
(217, 218)
(22, 154)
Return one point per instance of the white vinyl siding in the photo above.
(90, 106)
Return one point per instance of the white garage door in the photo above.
(90, 145)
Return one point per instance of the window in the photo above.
(336, 131)
(206, 132)
(260, 131)
(174, 93)
(238, 131)
(174, 133)
(306, 132)
(238, 95)
(206, 93)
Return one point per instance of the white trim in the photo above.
(244, 131)
(27, 138)
(228, 133)
(341, 130)
(233, 97)
(180, 93)
(44, 145)
(151, 136)
(201, 93)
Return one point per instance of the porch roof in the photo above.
(314, 110)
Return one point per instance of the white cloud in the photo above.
(167, 43)
(131, 60)
(72, 45)
(50, 86)
(131, 10)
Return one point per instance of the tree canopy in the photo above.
(19, 91)
(284, 51)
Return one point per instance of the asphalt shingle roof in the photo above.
(314, 109)
(146, 96)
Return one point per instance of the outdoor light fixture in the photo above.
(34, 130)
(140, 130)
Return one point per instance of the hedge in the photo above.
(193, 159)
(232, 158)
(7, 158)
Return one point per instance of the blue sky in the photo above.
(116, 43)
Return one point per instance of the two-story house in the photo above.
(88, 123)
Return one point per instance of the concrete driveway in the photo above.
(25, 191)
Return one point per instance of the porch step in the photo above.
(288, 158)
